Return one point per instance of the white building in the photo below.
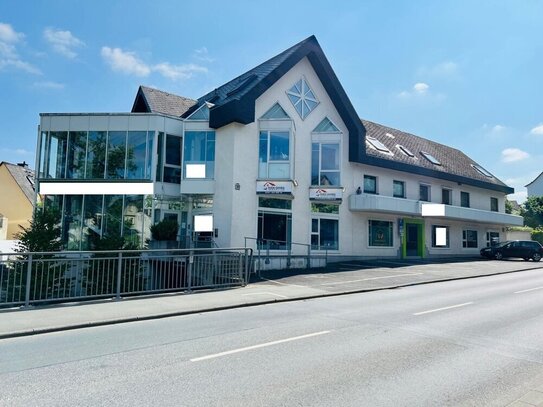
(277, 154)
(535, 188)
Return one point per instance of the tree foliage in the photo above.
(532, 211)
(43, 233)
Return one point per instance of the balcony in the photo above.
(385, 204)
(469, 214)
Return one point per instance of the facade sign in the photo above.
(273, 187)
(326, 194)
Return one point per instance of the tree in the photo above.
(508, 206)
(532, 211)
(43, 233)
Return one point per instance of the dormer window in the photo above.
(302, 98)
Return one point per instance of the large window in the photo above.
(464, 199)
(274, 223)
(398, 189)
(172, 164)
(492, 238)
(370, 184)
(380, 233)
(199, 154)
(469, 238)
(96, 155)
(116, 154)
(136, 151)
(53, 154)
(440, 236)
(274, 155)
(77, 148)
(325, 166)
(424, 192)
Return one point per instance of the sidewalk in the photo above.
(290, 285)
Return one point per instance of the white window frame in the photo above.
(465, 241)
(290, 151)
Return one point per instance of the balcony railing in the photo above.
(380, 203)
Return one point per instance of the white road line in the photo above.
(267, 293)
(442, 309)
(262, 345)
(371, 278)
(280, 283)
(529, 289)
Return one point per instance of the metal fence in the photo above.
(31, 278)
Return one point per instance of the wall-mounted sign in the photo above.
(326, 194)
(273, 187)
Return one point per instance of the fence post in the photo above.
(119, 272)
(28, 280)
(308, 256)
(189, 271)
(240, 269)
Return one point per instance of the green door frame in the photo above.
(421, 236)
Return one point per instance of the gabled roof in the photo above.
(235, 100)
(455, 165)
(536, 178)
(24, 177)
(149, 100)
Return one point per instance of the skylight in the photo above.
(377, 145)
(430, 158)
(482, 171)
(405, 150)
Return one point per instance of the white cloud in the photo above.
(421, 87)
(63, 42)
(124, 62)
(176, 72)
(128, 63)
(510, 155)
(9, 58)
(202, 54)
(9, 35)
(443, 69)
(537, 130)
(49, 85)
(498, 128)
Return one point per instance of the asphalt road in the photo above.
(476, 342)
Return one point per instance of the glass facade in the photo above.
(96, 155)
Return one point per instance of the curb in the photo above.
(93, 324)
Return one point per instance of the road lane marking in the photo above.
(280, 283)
(371, 278)
(442, 309)
(267, 293)
(262, 345)
(529, 289)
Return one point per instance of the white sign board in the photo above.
(203, 223)
(326, 194)
(273, 187)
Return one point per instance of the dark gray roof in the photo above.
(452, 161)
(24, 177)
(243, 84)
(157, 101)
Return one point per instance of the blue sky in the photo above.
(463, 73)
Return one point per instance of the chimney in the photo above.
(23, 164)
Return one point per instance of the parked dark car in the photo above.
(525, 249)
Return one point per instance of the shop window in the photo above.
(440, 236)
(325, 165)
(492, 238)
(370, 184)
(324, 234)
(380, 233)
(398, 189)
(274, 155)
(469, 239)
(274, 224)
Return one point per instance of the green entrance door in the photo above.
(413, 242)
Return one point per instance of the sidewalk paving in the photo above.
(273, 286)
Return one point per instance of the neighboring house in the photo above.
(277, 156)
(535, 188)
(17, 196)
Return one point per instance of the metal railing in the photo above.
(30, 278)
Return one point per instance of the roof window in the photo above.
(482, 171)
(405, 150)
(430, 158)
(377, 145)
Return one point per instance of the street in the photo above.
(476, 342)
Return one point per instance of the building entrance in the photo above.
(413, 242)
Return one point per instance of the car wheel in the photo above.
(536, 257)
(498, 256)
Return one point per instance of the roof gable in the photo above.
(536, 179)
(149, 100)
(235, 100)
(24, 177)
